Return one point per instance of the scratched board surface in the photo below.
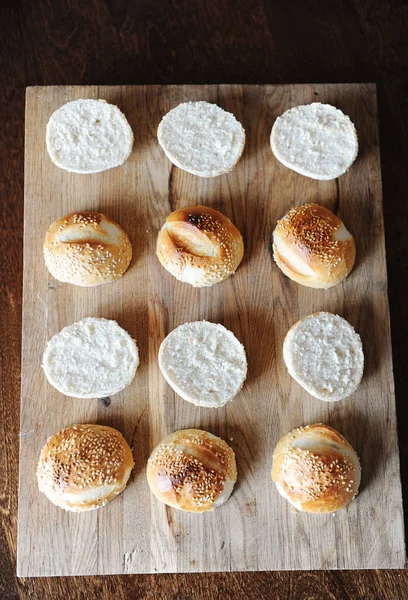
(256, 529)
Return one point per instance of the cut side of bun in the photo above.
(86, 249)
(204, 363)
(83, 467)
(200, 246)
(324, 354)
(192, 470)
(92, 358)
(88, 136)
(201, 138)
(316, 140)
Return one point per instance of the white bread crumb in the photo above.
(325, 356)
(204, 363)
(88, 136)
(92, 358)
(201, 138)
(316, 140)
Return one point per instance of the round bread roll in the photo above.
(324, 354)
(192, 470)
(83, 467)
(93, 358)
(199, 246)
(316, 469)
(86, 249)
(204, 363)
(88, 136)
(201, 138)
(316, 140)
(313, 247)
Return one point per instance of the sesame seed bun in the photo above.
(201, 138)
(92, 358)
(316, 469)
(86, 249)
(84, 466)
(192, 470)
(199, 246)
(316, 140)
(312, 246)
(204, 363)
(324, 354)
(88, 136)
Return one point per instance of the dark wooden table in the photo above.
(49, 42)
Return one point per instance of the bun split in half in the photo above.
(316, 140)
(324, 354)
(88, 136)
(201, 138)
(204, 363)
(92, 358)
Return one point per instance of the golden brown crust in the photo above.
(200, 246)
(86, 249)
(307, 250)
(316, 469)
(189, 469)
(84, 466)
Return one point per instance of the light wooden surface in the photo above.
(256, 529)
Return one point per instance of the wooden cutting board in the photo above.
(256, 529)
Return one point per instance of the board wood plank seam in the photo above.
(256, 529)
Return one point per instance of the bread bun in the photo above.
(201, 138)
(92, 358)
(86, 249)
(192, 470)
(325, 356)
(88, 136)
(204, 363)
(84, 466)
(316, 469)
(199, 246)
(316, 140)
(313, 247)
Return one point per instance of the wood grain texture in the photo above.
(251, 41)
(256, 529)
